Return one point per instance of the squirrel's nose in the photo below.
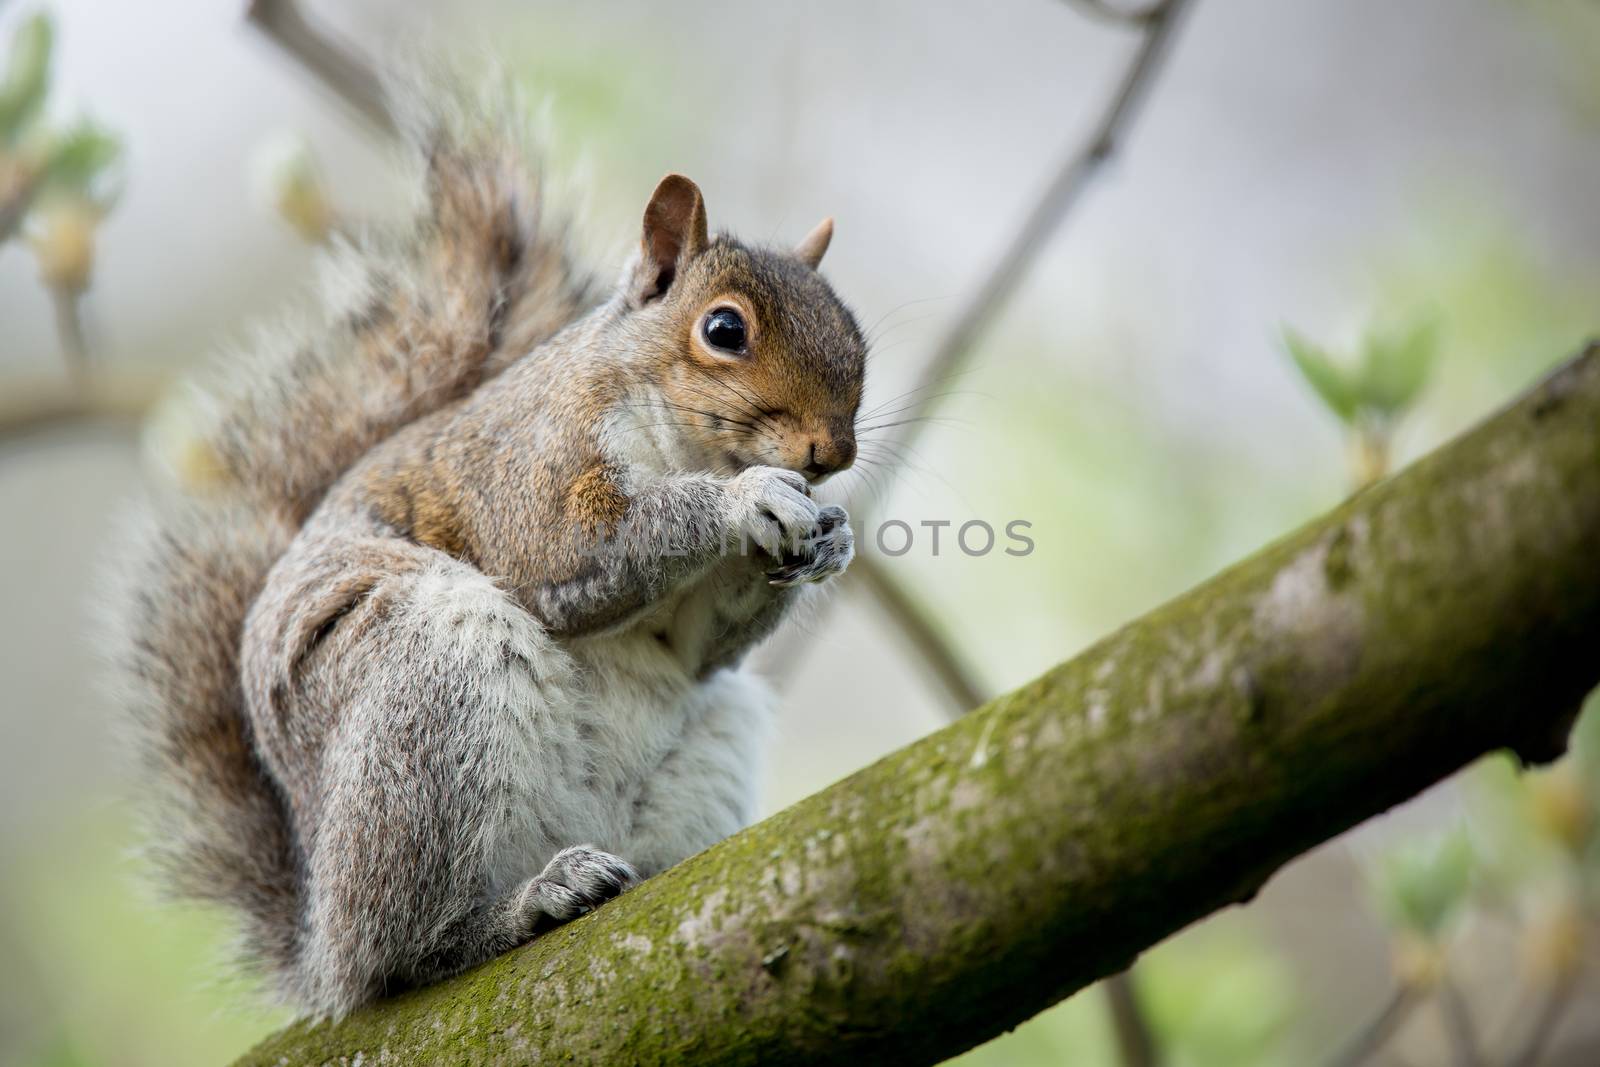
(834, 456)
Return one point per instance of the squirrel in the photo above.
(440, 644)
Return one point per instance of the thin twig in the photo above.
(334, 63)
(15, 198)
(1063, 192)
(68, 306)
(1136, 1042)
(930, 646)
(1379, 1030)
(1555, 1004)
(1458, 1023)
(345, 73)
(1107, 12)
(1134, 1036)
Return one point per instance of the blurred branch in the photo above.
(57, 181)
(1108, 12)
(970, 880)
(1136, 1041)
(68, 306)
(1379, 1030)
(349, 76)
(920, 632)
(334, 63)
(1058, 198)
(1458, 1024)
(16, 196)
(1557, 998)
(1371, 454)
(27, 407)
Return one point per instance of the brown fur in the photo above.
(595, 500)
(421, 315)
(393, 687)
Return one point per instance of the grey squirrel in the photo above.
(439, 643)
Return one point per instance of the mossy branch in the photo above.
(962, 884)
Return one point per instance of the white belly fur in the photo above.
(669, 764)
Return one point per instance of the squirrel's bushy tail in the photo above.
(411, 319)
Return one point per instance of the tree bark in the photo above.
(953, 889)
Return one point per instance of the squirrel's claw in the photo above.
(827, 551)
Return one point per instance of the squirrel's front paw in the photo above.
(826, 551)
(578, 880)
(773, 508)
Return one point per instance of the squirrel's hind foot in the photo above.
(575, 882)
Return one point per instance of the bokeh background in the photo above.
(1412, 190)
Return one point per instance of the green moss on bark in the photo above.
(958, 886)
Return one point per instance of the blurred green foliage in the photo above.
(1371, 393)
(1217, 996)
(1509, 308)
(79, 161)
(614, 111)
(1536, 832)
(1378, 386)
(107, 975)
(1421, 885)
(1221, 996)
(26, 79)
(56, 182)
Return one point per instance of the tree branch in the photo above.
(16, 195)
(350, 77)
(1458, 1025)
(67, 305)
(334, 63)
(966, 882)
(1108, 12)
(27, 407)
(1053, 205)
(1136, 1042)
(1552, 1006)
(937, 655)
(1383, 1026)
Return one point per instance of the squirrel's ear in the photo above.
(674, 233)
(813, 244)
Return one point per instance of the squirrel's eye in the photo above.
(724, 329)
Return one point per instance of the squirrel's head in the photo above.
(755, 358)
